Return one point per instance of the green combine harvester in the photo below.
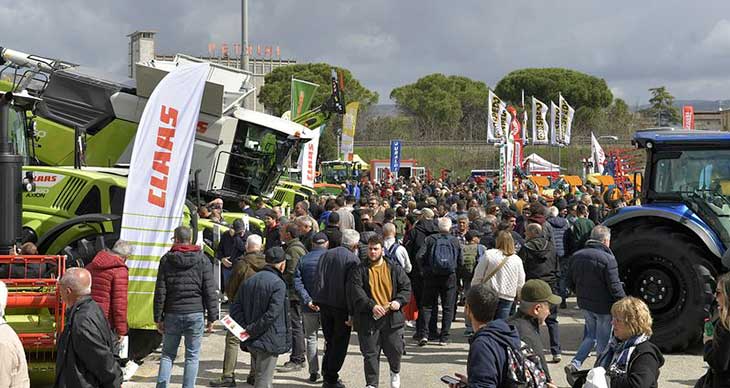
(75, 134)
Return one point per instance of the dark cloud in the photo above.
(634, 45)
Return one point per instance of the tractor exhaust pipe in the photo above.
(11, 165)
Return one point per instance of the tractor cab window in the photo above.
(17, 134)
(257, 159)
(694, 171)
(91, 203)
(702, 179)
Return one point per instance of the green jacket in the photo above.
(294, 250)
(246, 267)
(579, 233)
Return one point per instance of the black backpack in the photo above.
(390, 253)
(444, 255)
(524, 368)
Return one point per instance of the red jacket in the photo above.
(109, 278)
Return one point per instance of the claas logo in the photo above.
(45, 178)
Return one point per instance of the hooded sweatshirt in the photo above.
(109, 280)
(486, 365)
(540, 261)
(185, 284)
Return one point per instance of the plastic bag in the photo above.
(597, 378)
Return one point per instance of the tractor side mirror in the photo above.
(638, 181)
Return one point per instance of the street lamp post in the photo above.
(244, 35)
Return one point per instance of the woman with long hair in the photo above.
(503, 272)
(717, 342)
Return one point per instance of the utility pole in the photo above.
(244, 35)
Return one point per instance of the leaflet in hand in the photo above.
(235, 328)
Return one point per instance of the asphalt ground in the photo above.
(421, 366)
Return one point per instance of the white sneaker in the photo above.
(129, 370)
(411, 324)
(394, 380)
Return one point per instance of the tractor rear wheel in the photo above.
(669, 271)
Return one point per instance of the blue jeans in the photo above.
(504, 309)
(597, 331)
(192, 327)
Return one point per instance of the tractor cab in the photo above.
(341, 171)
(693, 169)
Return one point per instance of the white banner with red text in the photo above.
(158, 180)
(308, 158)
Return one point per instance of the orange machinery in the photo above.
(35, 309)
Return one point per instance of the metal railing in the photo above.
(579, 141)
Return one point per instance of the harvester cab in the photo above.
(671, 248)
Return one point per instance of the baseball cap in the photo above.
(275, 255)
(536, 290)
(320, 238)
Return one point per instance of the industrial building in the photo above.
(142, 49)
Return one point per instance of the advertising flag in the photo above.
(349, 122)
(688, 117)
(505, 119)
(517, 141)
(158, 181)
(554, 123)
(495, 132)
(566, 121)
(395, 154)
(597, 154)
(540, 125)
(302, 93)
(308, 158)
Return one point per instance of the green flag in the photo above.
(302, 93)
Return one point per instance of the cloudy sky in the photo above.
(633, 45)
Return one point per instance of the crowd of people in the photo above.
(376, 259)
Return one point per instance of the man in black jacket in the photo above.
(413, 241)
(333, 270)
(536, 303)
(85, 350)
(593, 274)
(184, 292)
(332, 230)
(271, 233)
(230, 249)
(261, 308)
(541, 262)
(439, 257)
(378, 290)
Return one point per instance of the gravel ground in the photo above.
(421, 367)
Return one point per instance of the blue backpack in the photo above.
(444, 255)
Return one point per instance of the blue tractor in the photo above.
(672, 246)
